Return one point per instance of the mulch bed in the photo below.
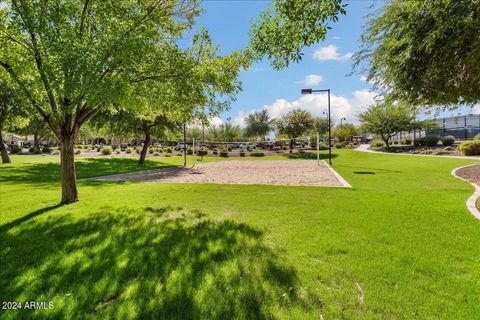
(471, 173)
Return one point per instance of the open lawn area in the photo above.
(400, 244)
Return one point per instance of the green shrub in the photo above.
(448, 140)
(106, 150)
(395, 141)
(169, 150)
(78, 151)
(168, 155)
(477, 137)
(470, 148)
(339, 145)
(117, 151)
(34, 150)
(190, 151)
(257, 154)
(215, 151)
(224, 153)
(431, 140)
(151, 151)
(15, 149)
(229, 149)
(128, 150)
(242, 153)
(47, 149)
(408, 140)
(202, 151)
(156, 154)
(138, 149)
(377, 143)
(249, 148)
(55, 152)
(321, 146)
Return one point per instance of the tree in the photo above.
(424, 52)
(227, 132)
(345, 132)
(36, 127)
(289, 25)
(320, 125)
(258, 124)
(386, 120)
(294, 124)
(11, 113)
(74, 59)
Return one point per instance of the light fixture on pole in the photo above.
(310, 91)
(341, 121)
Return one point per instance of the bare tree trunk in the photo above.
(36, 143)
(146, 143)
(3, 149)
(69, 180)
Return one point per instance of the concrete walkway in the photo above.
(471, 202)
(364, 148)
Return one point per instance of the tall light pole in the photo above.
(310, 91)
(341, 121)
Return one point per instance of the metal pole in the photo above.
(184, 145)
(318, 148)
(329, 132)
(193, 149)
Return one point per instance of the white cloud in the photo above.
(330, 53)
(317, 105)
(363, 79)
(476, 108)
(336, 37)
(216, 121)
(312, 79)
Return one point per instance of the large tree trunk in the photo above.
(3, 149)
(146, 143)
(36, 142)
(69, 180)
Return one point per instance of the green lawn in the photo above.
(188, 251)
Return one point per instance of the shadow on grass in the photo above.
(309, 155)
(14, 223)
(150, 263)
(45, 173)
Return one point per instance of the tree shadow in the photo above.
(309, 155)
(46, 173)
(161, 263)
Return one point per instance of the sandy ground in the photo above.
(471, 173)
(273, 172)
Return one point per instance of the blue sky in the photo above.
(325, 65)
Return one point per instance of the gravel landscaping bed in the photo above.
(471, 173)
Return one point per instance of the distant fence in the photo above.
(461, 127)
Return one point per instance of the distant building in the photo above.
(461, 127)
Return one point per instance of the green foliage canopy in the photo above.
(295, 123)
(386, 120)
(289, 25)
(424, 52)
(258, 124)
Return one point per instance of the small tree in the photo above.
(294, 124)
(386, 120)
(345, 132)
(258, 124)
(11, 113)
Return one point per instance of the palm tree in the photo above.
(258, 124)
